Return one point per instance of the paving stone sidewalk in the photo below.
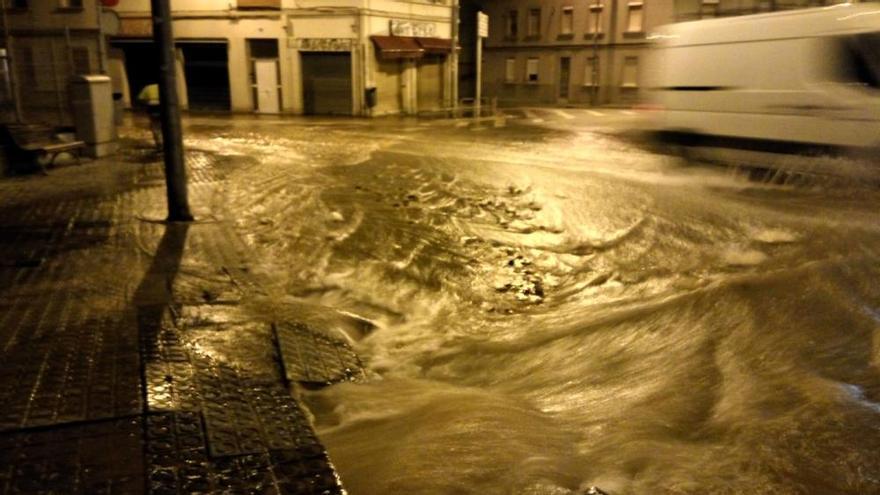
(129, 361)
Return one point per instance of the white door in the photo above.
(267, 86)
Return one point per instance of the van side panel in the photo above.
(768, 77)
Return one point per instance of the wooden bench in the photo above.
(31, 144)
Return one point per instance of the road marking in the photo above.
(563, 114)
(462, 123)
(595, 113)
(627, 112)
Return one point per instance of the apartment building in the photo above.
(46, 43)
(345, 57)
(587, 52)
(567, 51)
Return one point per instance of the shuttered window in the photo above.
(594, 20)
(532, 70)
(590, 71)
(566, 25)
(635, 17)
(630, 77)
(259, 4)
(534, 22)
(511, 29)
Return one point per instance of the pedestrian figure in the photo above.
(149, 96)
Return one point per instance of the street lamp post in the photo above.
(172, 139)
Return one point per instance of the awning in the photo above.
(397, 47)
(435, 45)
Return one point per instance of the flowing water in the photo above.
(559, 310)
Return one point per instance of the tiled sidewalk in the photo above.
(128, 360)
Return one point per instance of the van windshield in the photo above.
(859, 60)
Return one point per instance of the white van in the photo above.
(809, 76)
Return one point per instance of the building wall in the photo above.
(300, 26)
(616, 47)
(48, 46)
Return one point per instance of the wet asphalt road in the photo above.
(555, 308)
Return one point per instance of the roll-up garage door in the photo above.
(430, 83)
(326, 78)
(206, 67)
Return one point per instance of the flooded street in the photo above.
(546, 308)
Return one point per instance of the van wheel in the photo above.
(680, 144)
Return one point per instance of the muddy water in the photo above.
(558, 311)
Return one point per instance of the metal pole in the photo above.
(594, 91)
(479, 83)
(59, 93)
(69, 46)
(172, 138)
(11, 76)
(453, 56)
(102, 49)
(610, 49)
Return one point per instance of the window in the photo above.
(510, 70)
(534, 22)
(81, 62)
(532, 70)
(512, 28)
(259, 4)
(590, 68)
(70, 4)
(858, 60)
(594, 20)
(630, 73)
(709, 8)
(263, 48)
(634, 17)
(566, 21)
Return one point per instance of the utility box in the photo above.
(91, 97)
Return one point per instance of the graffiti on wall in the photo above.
(325, 44)
(413, 28)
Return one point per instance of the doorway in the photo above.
(206, 68)
(265, 75)
(429, 83)
(564, 77)
(326, 80)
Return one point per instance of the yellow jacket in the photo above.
(149, 95)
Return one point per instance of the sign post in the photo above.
(482, 32)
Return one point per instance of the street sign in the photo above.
(482, 25)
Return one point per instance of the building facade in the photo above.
(586, 52)
(46, 43)
(568, 52)
(344, 57)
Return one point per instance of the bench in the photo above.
(31, 144)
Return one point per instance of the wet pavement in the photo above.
(525, 304)
(129, 364)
